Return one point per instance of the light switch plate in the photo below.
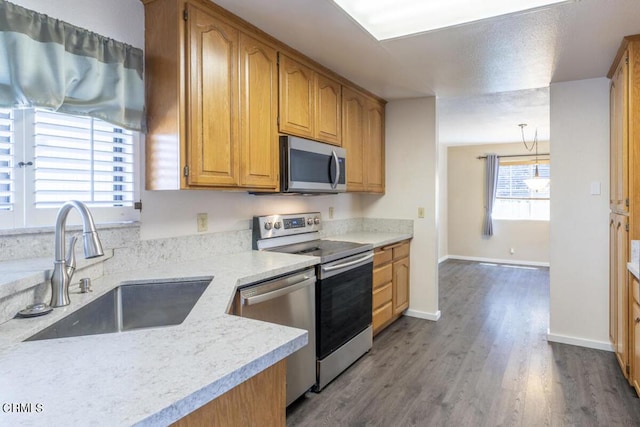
(595, 188)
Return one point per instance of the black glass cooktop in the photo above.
(327, 250)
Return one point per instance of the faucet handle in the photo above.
(70, 261)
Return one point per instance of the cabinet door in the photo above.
(353, 120)
(374, 147)
(622, 307)
(328, 111)
(400, 285)
(297, 101)
(212, 93)
(635, 356)
(619, 135)
(613, 286)
(258, 114)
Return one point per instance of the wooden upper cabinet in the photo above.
(310, 102)
(353, 134)
(328, 119)
(374, 147)
(297, 98)
(213, 100)
(258, 114)
(363, 138)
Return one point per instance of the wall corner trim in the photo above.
(581, 342)
(423, 314)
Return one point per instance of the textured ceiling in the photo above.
(460, 65)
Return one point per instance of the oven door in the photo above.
(343, 301)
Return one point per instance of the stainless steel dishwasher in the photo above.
(289, 301)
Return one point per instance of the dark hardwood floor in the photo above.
(486, 362)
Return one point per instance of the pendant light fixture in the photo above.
(536, 183)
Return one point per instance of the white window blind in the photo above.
(6, 160)
(514, 200)
(82, 158)
(47, 158)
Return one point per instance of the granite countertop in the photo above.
(377, 239)
(146, 377)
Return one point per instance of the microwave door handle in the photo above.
(334, 184)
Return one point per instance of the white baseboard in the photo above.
(423, 314)
(498, 261)
(443, 259)
(581, 342)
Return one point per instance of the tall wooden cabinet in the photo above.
(624, 200)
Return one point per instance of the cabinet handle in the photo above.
(637, 320)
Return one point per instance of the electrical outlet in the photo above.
(420, 212)
(330, 212)
(203, 222)
(512, 251)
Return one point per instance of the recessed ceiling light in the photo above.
(386, 19)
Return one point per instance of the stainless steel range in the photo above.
(343, 287)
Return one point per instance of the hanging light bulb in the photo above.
(536, 183)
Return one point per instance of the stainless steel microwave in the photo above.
(308, 166)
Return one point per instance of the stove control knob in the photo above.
(316, 220)
(277, 225)
(309, 221)
(267, 225)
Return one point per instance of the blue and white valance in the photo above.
(45, 62)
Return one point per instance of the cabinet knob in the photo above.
(637, 320)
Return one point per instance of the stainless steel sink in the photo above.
(130, 306)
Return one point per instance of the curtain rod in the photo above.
(517, 155)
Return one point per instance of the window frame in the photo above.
(508, 163)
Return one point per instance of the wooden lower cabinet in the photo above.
(634, 357)
(259, 401)
(390, 284)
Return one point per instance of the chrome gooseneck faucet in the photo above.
(63, 269)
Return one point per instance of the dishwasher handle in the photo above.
(257, 297)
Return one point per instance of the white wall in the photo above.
(173, 213)
(442, 209)
(411, 162)
(579, 221)
(529, 239)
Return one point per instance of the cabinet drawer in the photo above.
(382, 295)
(381, 257)
(382, 315)
(401, 251)
(382, 275)
(636, 288)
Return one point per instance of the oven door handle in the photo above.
(256, 299)
(347, 264)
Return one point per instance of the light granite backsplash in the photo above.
(635, 252)
(131, 253)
